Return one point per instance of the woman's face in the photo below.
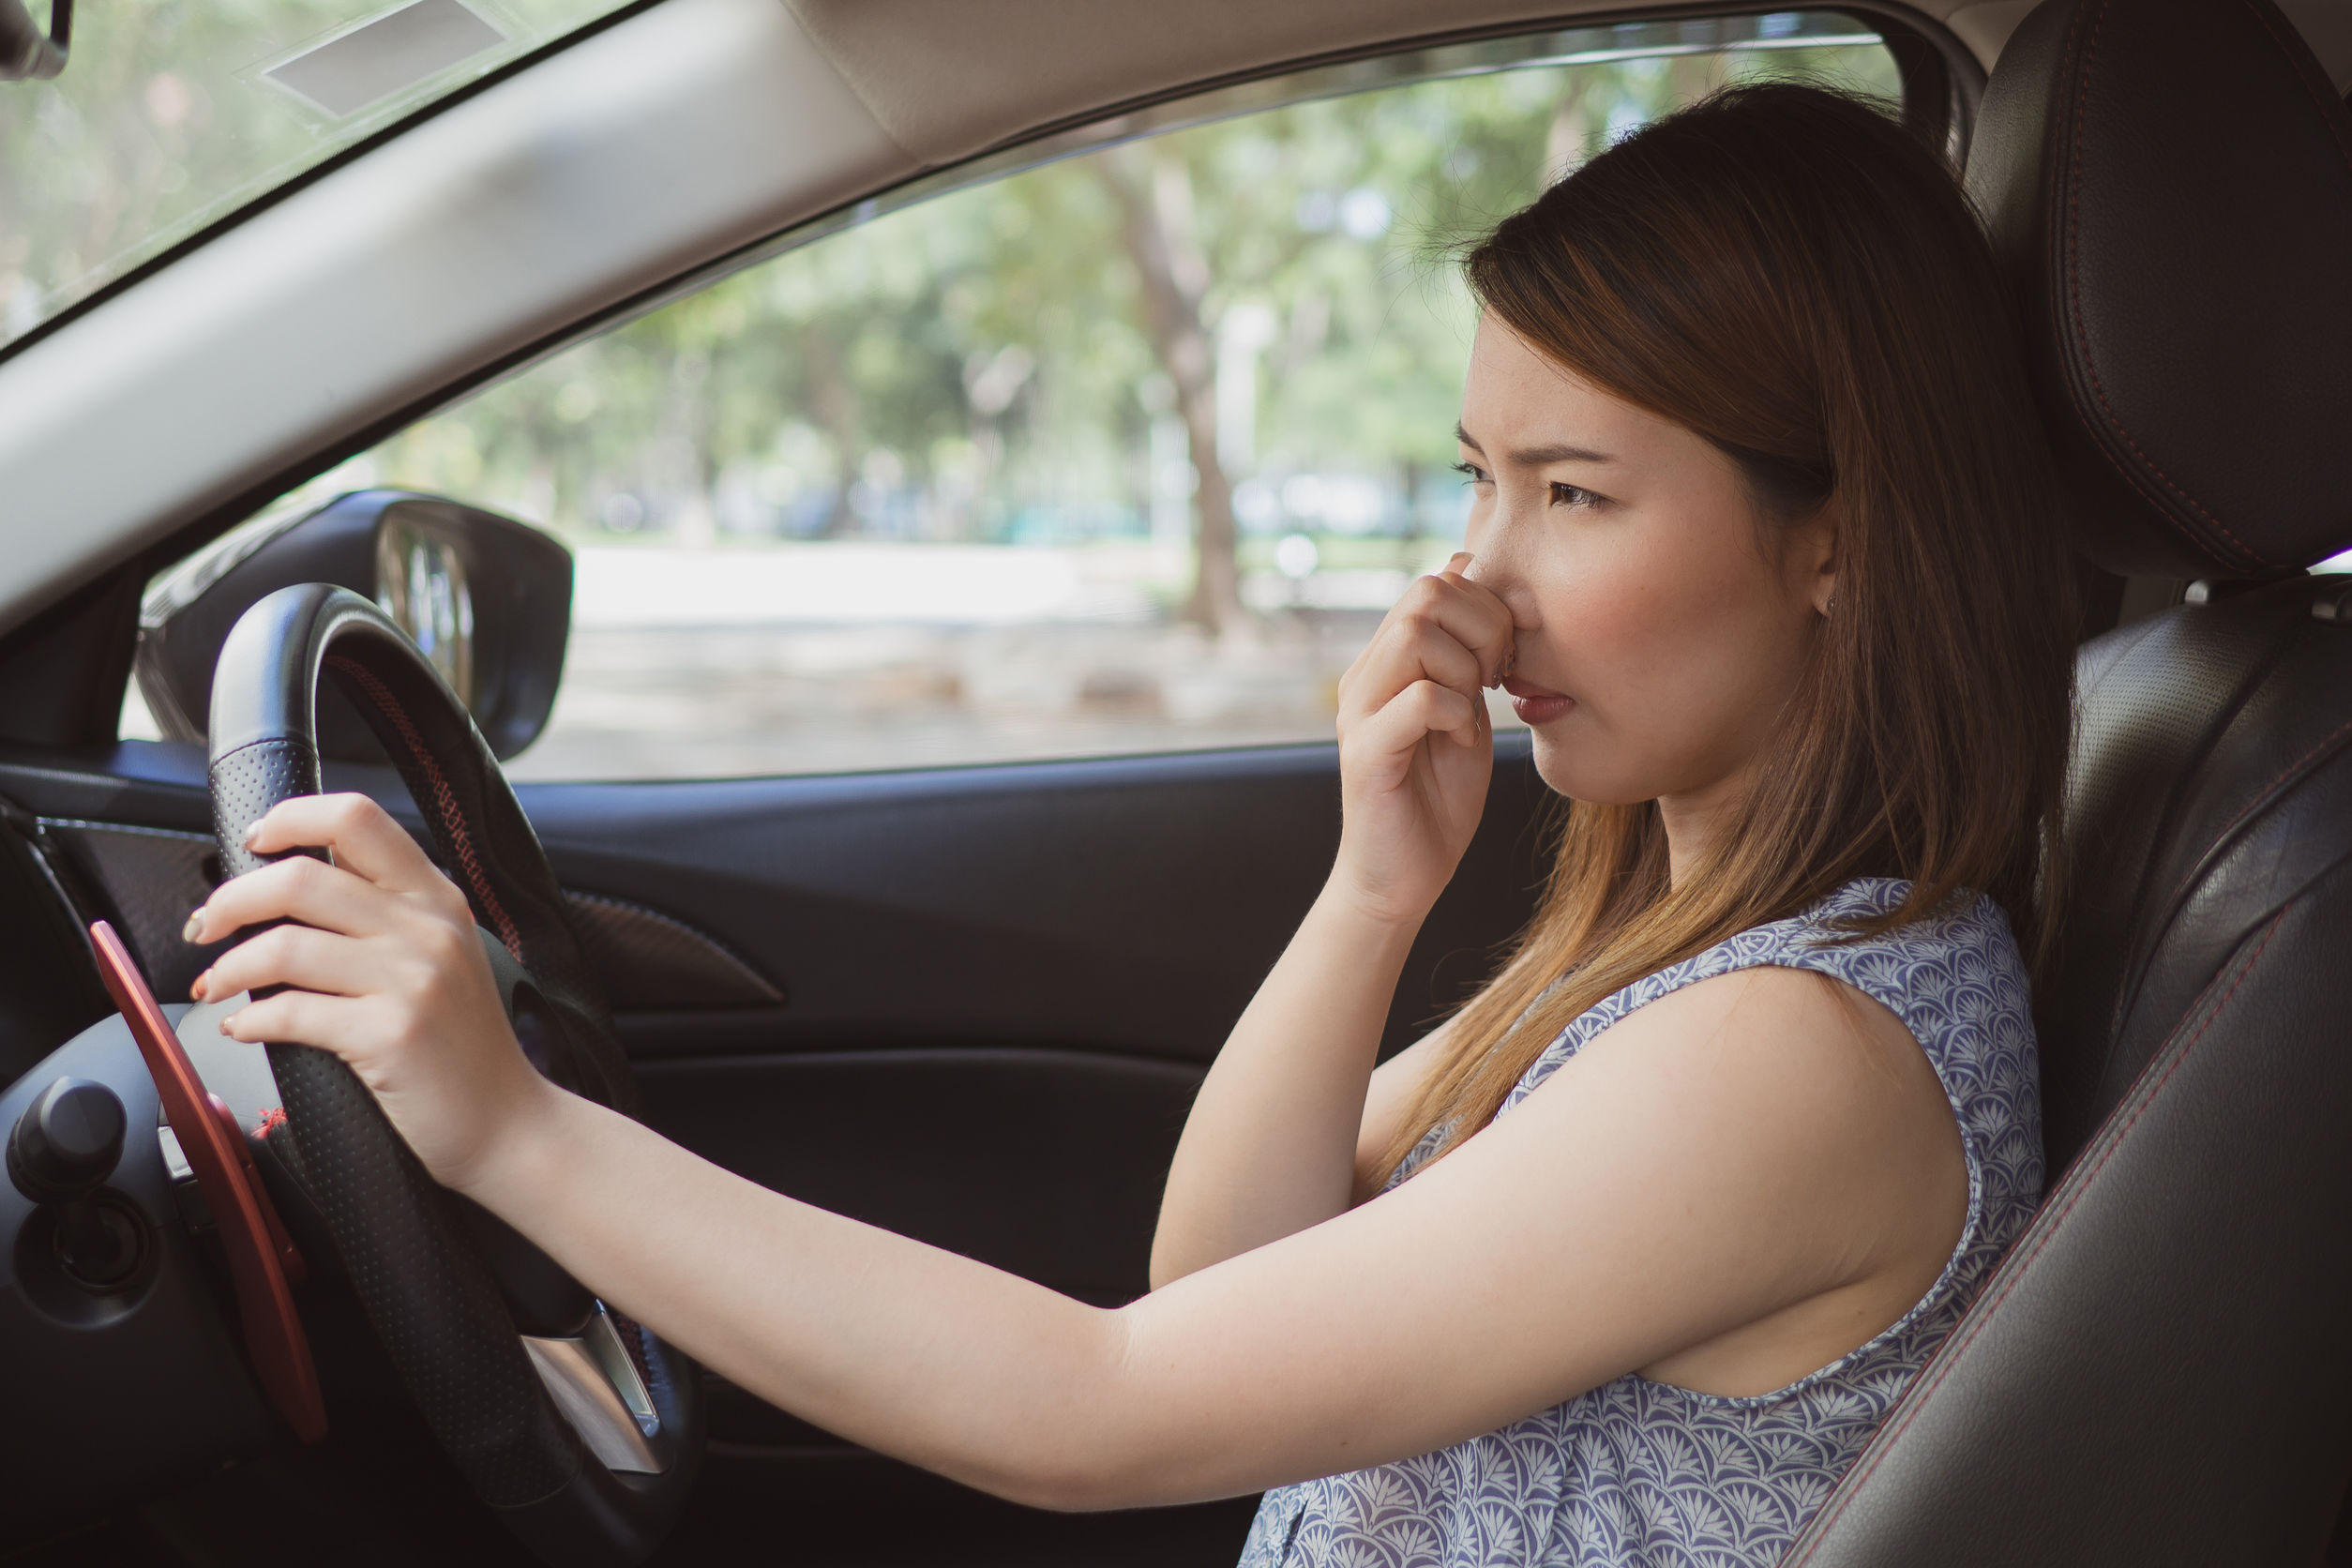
(1659, 629)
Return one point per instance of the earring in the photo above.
(1830, 606)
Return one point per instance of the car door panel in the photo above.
(1047, 1162)
(1130, 904)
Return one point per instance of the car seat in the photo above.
(2161, 1371)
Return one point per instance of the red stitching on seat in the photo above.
(445, 798)
(2082, 334)
(1940, 1367)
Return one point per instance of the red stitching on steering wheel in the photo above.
(444, 799)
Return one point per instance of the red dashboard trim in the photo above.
(258, 1249)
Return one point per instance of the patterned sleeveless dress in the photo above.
(1640, 1474)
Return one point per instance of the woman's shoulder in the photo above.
(1967, 928)
(1954, 973)
(1966, 922)
(1956, 965)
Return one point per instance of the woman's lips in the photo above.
(1536, 704)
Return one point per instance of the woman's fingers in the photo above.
(378, 872)
(297, 1017)
(362, 836)
(1423, 708)
(1446, 630)
(296, 888)
(1476, 616)
(292, 956)
(1410, 649)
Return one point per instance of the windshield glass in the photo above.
(170, 115)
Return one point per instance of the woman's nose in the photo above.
(1494, 568)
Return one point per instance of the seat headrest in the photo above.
(2168, 184)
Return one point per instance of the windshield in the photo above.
(170, 115)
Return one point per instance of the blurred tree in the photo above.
(1153, 193)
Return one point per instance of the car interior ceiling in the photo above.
(885, 995)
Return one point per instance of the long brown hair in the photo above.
(1785, 272)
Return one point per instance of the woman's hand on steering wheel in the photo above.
(384, 968)
(1416, 748)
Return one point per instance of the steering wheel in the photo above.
(581, 1429)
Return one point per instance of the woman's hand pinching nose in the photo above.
(1416, 744)
(1457, 571)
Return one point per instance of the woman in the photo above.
(1623, 1263)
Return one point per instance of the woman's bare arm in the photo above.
(1272, 1143)
(1293, 1117)
(1396, 1086)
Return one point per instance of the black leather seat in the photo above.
(2161, 1370)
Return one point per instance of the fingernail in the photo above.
(193, 932)
(226, 1030)
(253, 829)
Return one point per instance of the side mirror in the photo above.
(487, 599)
(27, 54)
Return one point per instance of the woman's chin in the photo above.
(1567, 769)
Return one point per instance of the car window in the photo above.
(1125, 452)
(170, 115)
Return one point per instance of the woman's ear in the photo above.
(1819, 558)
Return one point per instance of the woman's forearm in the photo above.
(929, 1356)
(1269, 1146)
(902, 1347)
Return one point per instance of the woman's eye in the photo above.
(1474, 473)
(1571, 495)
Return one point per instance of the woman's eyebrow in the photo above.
(1537, 457)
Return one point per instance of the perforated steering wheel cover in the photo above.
(419, 1276)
